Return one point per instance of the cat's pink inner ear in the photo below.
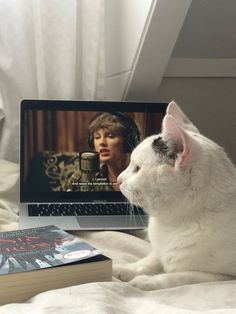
(183, 158)
(174, 132)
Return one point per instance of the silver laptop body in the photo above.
(61, 178)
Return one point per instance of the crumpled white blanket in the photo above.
(111, 297)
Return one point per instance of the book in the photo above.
(40, 259)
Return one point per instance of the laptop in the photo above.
(68, 150)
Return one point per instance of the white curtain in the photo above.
(51, 49)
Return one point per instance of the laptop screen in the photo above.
(76, 149)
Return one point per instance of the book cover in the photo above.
(43, 247)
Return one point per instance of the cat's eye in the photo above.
(136, 169)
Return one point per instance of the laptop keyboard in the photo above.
(83, 209)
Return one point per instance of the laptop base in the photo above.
(119, 222)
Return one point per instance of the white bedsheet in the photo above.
(111, 297)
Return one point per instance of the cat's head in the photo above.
(171, 166)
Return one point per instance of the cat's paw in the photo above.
(126, 272)
(123, 272)
(147, 282)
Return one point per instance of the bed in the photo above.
(111, 297)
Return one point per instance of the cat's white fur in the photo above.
(187, 185)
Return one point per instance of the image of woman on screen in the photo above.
(113, 136)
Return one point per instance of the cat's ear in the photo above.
(178, 141)
(174, 110)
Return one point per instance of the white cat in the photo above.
(187, 185)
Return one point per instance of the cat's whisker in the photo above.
(130, 211)
(129, 214)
